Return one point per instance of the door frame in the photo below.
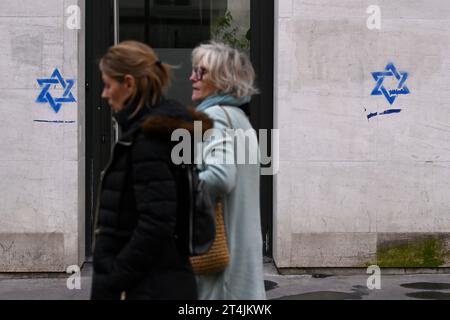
(100, 17)
(99, 37)
(262, 17)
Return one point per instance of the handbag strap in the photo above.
(230, 125)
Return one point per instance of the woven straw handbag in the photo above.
(218, 257)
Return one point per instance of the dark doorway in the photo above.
(173, 28)
(99, 36)
(262, 56)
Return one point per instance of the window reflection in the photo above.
(185, 23)
(174, 27)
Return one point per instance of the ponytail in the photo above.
(140, 61)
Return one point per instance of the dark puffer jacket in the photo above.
(135, 250)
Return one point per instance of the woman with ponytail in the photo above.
(136, 255)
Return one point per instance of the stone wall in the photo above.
(359, 171)
(42, 146)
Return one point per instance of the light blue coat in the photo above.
(238, 185)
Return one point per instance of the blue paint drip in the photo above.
(54, 121)
(371, 115)
(391, 111)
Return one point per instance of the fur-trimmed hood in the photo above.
(164, 121)
(161, 120)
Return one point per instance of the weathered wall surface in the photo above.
(361, 179)
(41, 150)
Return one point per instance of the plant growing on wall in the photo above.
(224, 30)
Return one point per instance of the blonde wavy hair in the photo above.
(229, 70)
(139, 60)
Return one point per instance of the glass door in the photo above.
(173, 28)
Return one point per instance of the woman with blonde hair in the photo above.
(136, 253)
(223, 83)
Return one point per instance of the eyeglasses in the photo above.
(199, 73)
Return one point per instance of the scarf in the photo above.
(222, 100)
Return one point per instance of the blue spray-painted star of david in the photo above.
(46, 97)
(390, 95)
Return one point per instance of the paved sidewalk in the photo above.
(51, 286)
(286, 287)
(354, 287)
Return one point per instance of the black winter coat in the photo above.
(136, 255)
